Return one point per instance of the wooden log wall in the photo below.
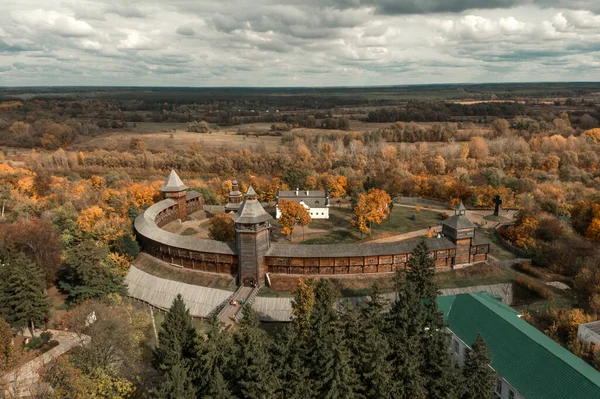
(351, 265)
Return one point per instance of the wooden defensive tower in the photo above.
(252, 237)
(175, 189)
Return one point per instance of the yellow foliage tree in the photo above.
(88, 219)
(593, 135)
(302, 305)
(292, 213)
(372, 207)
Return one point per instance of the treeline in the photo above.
(444, 112)
(327, 351)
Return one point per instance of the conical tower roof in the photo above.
(173, 184)
(461, 207)
(251, 211)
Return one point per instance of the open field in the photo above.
(179, 140)
(338, 230)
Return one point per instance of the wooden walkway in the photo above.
(160, 292)
(228, 315)
(202, 301)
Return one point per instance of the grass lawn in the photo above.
(496, 250)
(162, 269)
(337, 229)
(475, 275)
(189, 232)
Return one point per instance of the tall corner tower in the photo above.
(252, 238)
(176, 190)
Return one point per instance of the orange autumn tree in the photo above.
(292, 214)
(372, 207)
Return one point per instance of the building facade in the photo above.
(316, 202)
(253, 255)
(528, 364)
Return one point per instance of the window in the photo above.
(456, 347)
(511, 394)
(499, 387)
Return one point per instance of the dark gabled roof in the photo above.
(192, 194)
(530, 361)
(173, 184)
(351, 250)
(145, 225)
(291, 194)
(459, 222)
(251, 211)
(479, 239)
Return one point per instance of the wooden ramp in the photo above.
(231, 312)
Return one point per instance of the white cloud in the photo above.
(136, 41)
(266, 42)
(55, 22)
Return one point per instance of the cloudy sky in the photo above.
(297, 42)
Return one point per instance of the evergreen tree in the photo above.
(421, 272)
(404, 331)
(437, 367)
(213, 368)
(327, 353)
(176, 384)
(254, 377)
(177, 338)
(479, 378)
(374, 371)
(86, 273)
(23, 301)
(290, 367)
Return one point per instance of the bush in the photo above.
(443, 215)
(46, 336)
(35, 343)
(533, 286)
(529, 270)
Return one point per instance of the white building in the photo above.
(589, 332)
(316, 202)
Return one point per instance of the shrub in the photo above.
(35, 343)
(443, 215)
(529, 270)
(535, 287)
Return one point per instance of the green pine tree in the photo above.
(327, 354)
(214, 364)
(421, 272)
(176, 384)
(374, 371)
(254, 377)
(438, 370)
(86, 273)
(290, 367)
(177, 338)
(24, 303)
(479, 378)
(404, 330)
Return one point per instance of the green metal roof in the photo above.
(534, 364)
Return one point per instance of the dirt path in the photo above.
(24, 381)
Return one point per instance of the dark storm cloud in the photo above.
(404, 7)
(185, 31)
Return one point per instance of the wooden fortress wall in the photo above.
(351, 265)
(204, 261)
(228, 264)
